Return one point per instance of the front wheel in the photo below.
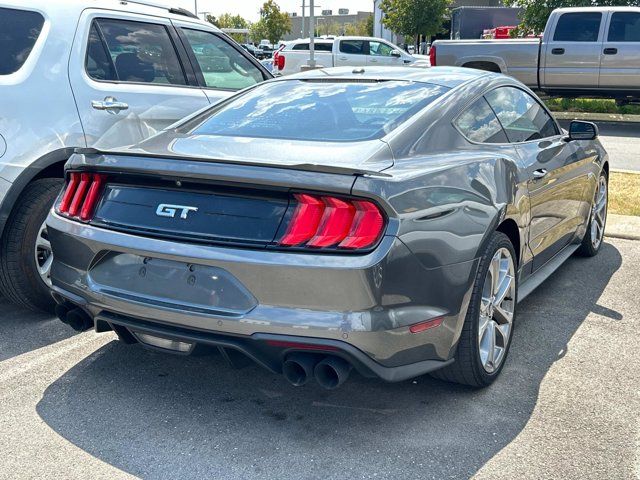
(486, 334)
(25, 251)
(592, 240)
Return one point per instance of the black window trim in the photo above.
(168, 28)
(225, 38)
(559, 135)
(603, 21)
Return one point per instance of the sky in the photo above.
(249, 8)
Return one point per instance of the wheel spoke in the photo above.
(495, 273)
(503, 289)
(491, 334)
(45, 268)
(43, 243)
(502, 315)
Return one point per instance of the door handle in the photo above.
(373, 60)
(540, 173)
(610, 51)
(343, 58)
(557, 51)
(110, 104)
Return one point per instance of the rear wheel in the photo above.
(486, 334)
(25, 251)
(592, 240)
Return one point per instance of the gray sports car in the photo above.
(385, 220)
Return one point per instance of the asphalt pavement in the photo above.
(567, 405)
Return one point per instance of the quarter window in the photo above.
(521, 116)
(479, 124)
(625, 27)
(222, 65)
(353, 47)
(140, 52)
(578, 27)
(19, 30)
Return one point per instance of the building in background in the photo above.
(379, 30)
(327, 20)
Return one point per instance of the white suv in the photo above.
(101, 74)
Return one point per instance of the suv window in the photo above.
(380, 49)
(354, 47)
(139, 52)
(521, 116)
(578, 27)
(479, 124)
(319, 47)
(624, 27)
(19, 30)
(222, 65)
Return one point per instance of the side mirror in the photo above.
(579, 130)
(396, 53)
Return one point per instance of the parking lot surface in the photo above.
(566, 406)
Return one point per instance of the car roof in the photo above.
(449, 77)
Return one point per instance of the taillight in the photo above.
(323, 221)
(432, 55)
(280, 61)
(81, 195)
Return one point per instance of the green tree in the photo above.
(226, 20)
(273, 23)
(363, 28)
(535, 13)
(413, 18)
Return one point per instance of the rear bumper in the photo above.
(361, 305)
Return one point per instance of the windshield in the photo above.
(331, 111)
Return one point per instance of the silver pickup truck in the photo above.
(584, 51)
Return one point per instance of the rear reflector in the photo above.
(81, 195)
(422, 326)
(326, 221)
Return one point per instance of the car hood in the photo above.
(369, 155)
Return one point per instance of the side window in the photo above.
(479, 124)
(521, 116)
(380, 49)
(222, 65)
(319, 47)
(19, 30)
(624, 27)
(98, 63)
(578, 27)
(353, 47)
(140, 52)
(300, 46)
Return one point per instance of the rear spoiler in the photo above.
(309, 167)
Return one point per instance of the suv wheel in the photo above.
(25, 252)
(592, 240)
(486, 334)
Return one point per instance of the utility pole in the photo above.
(304, 5)
(312, 34)
(196, 5)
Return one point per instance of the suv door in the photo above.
(620, 63)
(380, 54)
(130, 77)
(220, 66)
(352, 53)
(559, 172)
(572, 54)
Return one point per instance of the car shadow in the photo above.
(23, 331)
(155, 415)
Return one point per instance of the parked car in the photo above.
(103, 74)
(591, 51)
(383, 219)
(255, 51)
(344, 51)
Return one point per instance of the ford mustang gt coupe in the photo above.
(383, 220)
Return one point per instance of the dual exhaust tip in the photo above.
(75, 317)
(330, 372)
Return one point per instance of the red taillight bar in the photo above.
(81, 195)
(327, 221)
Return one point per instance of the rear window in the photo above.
(19, 30)
(321, 110)
(318, 47)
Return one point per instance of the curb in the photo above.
(622, 170)
(623, 226)
(597, 117)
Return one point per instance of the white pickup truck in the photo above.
(591, 51)
(344, 51)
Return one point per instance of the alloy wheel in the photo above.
(599, 213)
(43, 254)
(497, 307)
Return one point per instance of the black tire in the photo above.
(587, 247)
(20, 281)
(467, 368)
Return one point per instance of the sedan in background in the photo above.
(383, 220)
